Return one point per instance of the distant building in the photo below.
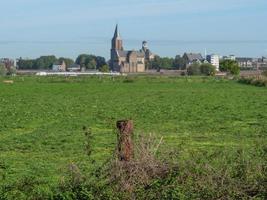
(60, 67)
(244, 62)
(148, 54)
(191, 58)
(230, 57)
(264, 59)
(214, 60)
(128, 61)
(74, 68)
(262, 63)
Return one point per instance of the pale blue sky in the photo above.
(30, 28)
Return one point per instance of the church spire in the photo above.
(116, 34)
(116, 40)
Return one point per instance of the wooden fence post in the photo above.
(125, 140)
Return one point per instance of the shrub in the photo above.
(142, 169)
(194, 69)
(207, 69)
(3, 70)
(256, 81)
(104, 68)
(230, 66)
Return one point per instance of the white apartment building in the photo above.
(214, 60)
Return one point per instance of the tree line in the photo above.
(86, 61)
(180, 63)
(158, 63)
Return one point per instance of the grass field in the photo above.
(41, 120)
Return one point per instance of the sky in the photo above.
(67, 28)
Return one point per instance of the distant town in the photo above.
(129, 61)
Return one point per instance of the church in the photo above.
(128, 61)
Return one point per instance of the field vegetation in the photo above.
(197, 138)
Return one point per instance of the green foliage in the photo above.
(161, 63)
(3, 70)
(104, 68)
(194, 69)
(26, 64)
(45, 62)
(256, 81)
(179, 63)
(90, 61)
(230, 66)
(207, 69)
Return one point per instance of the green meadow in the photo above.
(42, 120)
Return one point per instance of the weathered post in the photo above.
(125, 140)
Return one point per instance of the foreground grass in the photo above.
(42, 119)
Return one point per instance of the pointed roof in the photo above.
(116, 34)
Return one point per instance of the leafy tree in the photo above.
(45, 62)
(155, 63)
(80, 60)
(25, 64)
(207, 69)
(194, 69)
(230, 66)
(3, 70)
(91, 61)
(166, 63)
(100, 62)
(179, 62)
(104, 68)
(161, 63)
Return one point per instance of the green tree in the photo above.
(90, 61)
(100, 62)
(80, 60)
(155, 63)
(25, 63)
(161, 63)
(104, 68)
(194, 69)
(207, 69)
(166, 63)
(179, 62)
(45, 62)
(230, 66)
(3, 70)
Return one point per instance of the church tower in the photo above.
(116, 45)
(116, 40)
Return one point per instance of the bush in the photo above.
(104, 68)
(230, 66)
(3, 70)
(256, 81)
(208, 69)
(194, 70)
(264, 73)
